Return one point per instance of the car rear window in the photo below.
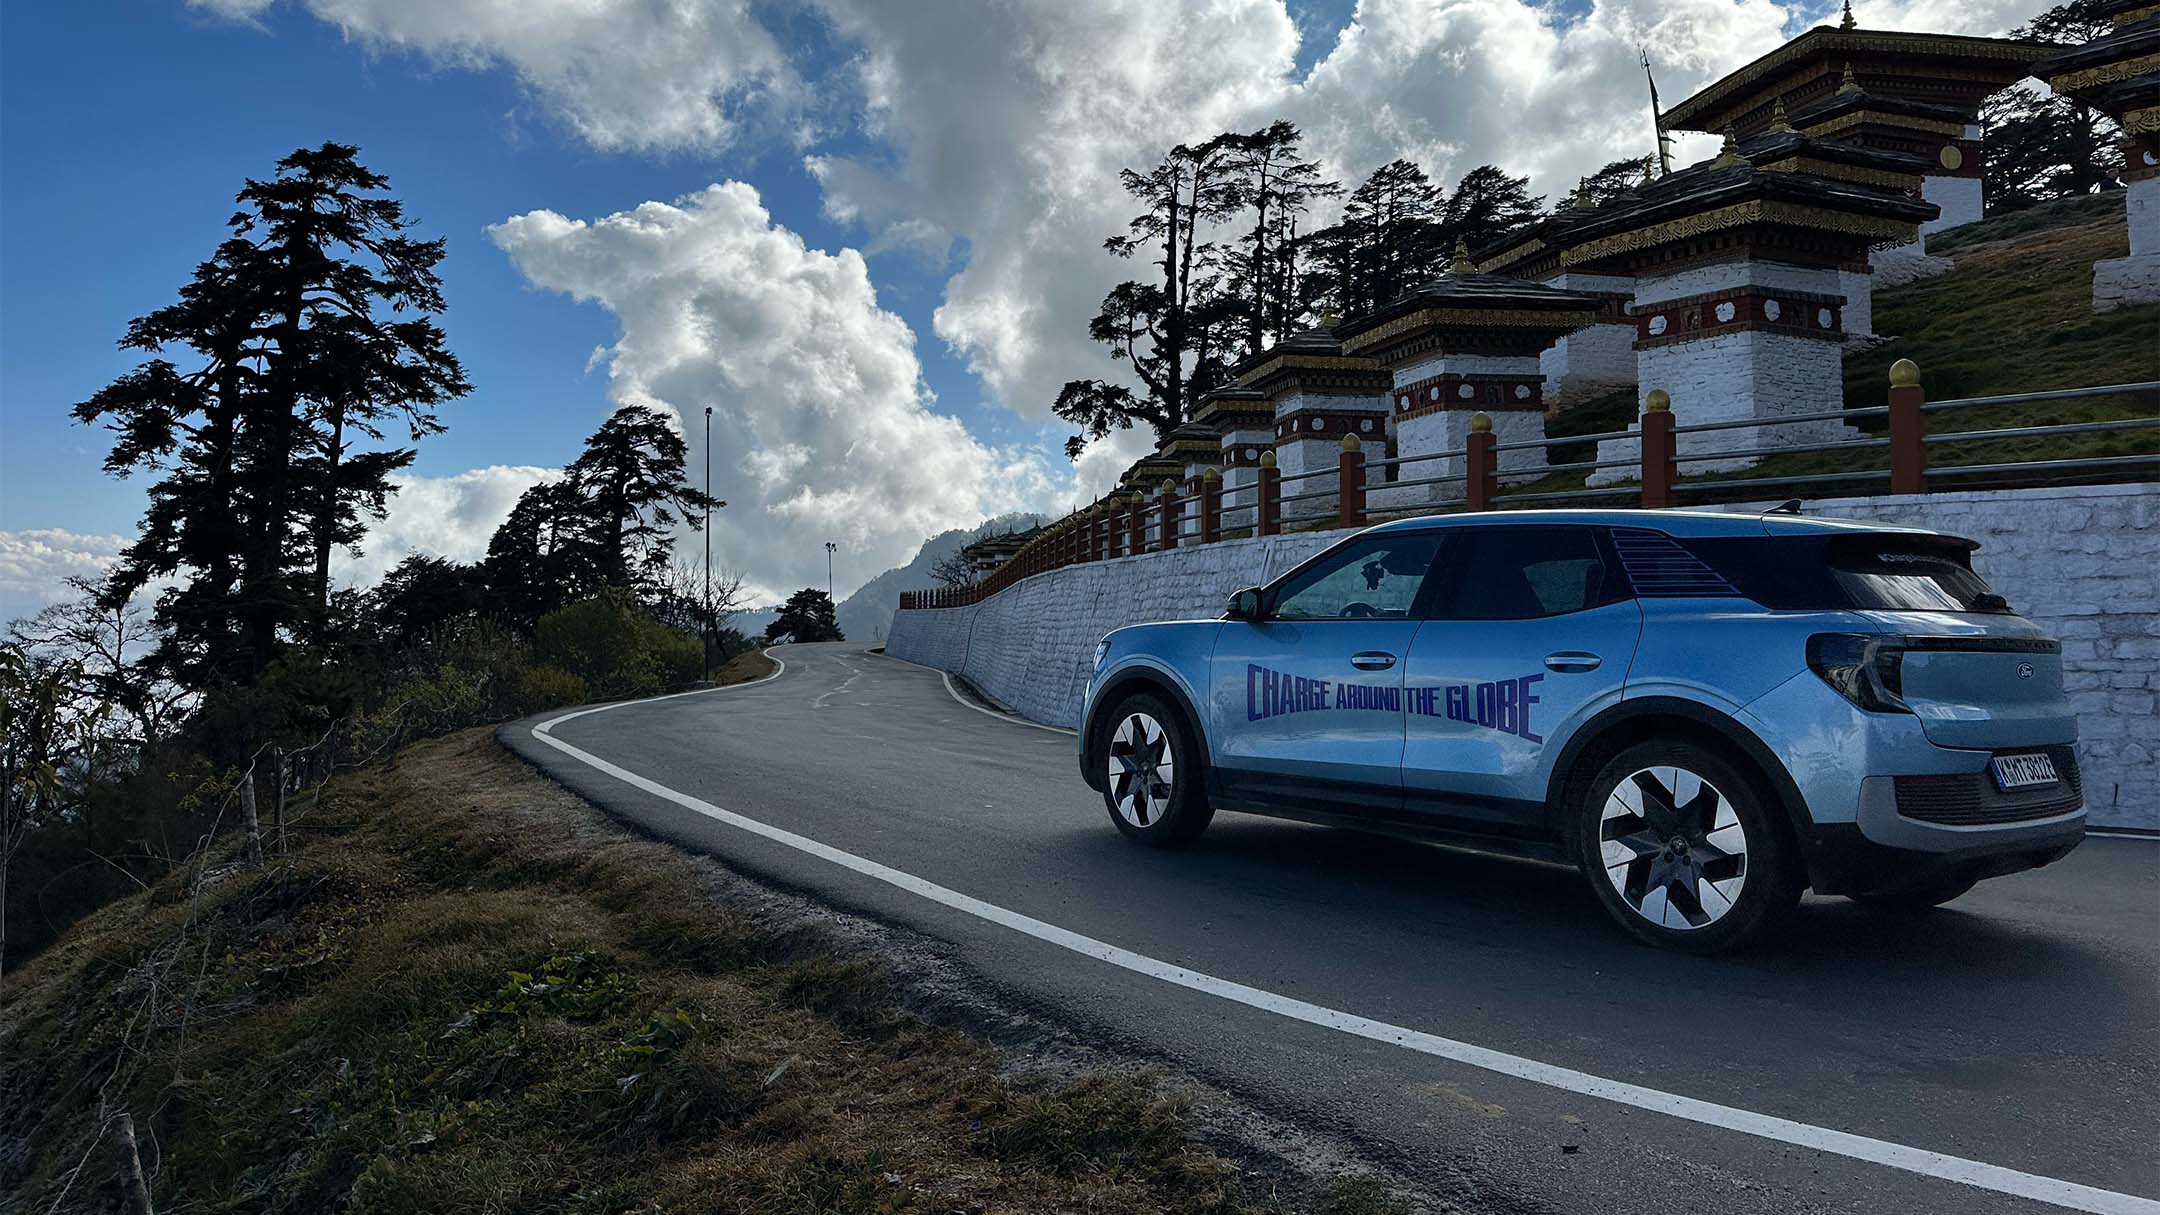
(1879, 572)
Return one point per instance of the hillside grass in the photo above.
(462, 990)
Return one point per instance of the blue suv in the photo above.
(1705, 713)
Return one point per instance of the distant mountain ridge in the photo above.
(867, 614)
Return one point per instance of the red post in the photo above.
(1268, 514)
(1908, 430)
(1169, 523)
(1210, 506)
(1657, 450)
(1136, 525)
(1480, 482)
(1350, 484)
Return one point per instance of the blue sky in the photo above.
(129, 126)
(880, 312)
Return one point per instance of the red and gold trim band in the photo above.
(1741, 309)
(1478, 390)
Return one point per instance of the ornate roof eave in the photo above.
(1345, 374)
(1707, 109)
(1869, 228)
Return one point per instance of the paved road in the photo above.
(2019, 1028)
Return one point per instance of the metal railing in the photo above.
(1193, 511)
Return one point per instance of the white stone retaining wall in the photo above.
(2080, 561)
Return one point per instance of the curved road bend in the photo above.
(2019, 1028)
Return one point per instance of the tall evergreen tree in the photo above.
(808, 615)
(541, 557)
(1190, 191)
(1487, 206)
(1277, 184)
(1387, 241)
(630, 478)
(1616, 179)
(2040, 144)
(287, 321)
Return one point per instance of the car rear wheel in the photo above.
(1915, 898)
(1153, 787)
(1684, 847)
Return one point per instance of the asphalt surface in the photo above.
(2019, 1027)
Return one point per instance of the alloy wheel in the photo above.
(1142, 769)
(1673, 847)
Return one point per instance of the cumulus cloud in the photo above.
(821, 424)
(35, 565)
(449, 517)
(637, 74)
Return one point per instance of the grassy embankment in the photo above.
(461, 989)
(2014, 315)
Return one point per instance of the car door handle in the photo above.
(1570, 662)
(1372, 660)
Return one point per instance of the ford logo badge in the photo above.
(2024, 670)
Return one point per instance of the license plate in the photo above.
(2024, 771)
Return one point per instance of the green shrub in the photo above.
(620, 651)
(546, 687)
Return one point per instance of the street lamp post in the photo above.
(711, 628)
(829, 548)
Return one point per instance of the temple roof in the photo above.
(1313, 359)
(1839, 104)
(1955, 70)
(1740, 177)
(2116, 73)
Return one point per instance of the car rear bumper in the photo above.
(1886, 849)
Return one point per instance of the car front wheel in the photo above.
(1153, 786)
(1684, 848)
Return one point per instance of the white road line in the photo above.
(954, 692)
(1938, 1165)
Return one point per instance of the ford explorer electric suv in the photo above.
(1706, 713)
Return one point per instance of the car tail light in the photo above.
(1865, 669)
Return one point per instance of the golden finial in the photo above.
(1267, 458)
(1729, 155)
(1211, 473)
(1350, 443)
(1169, 485)
(1846, 22)
(1462, 263)
(1778, 121)
(1848, 85)
(1657, 400)
(1580, 201)
(1904, 373)
(1481, 423)
(1330, 321)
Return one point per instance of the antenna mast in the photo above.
(1657, 120)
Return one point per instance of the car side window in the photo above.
(1375, 578)
(1525, 573)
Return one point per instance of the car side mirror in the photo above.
(1245, 605)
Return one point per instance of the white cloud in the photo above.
(35, 565)
(821, 429)
(638, 74)
(449, 517)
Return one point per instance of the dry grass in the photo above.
(464, 992)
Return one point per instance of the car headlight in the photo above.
(1102, 651)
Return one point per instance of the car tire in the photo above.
(1686, 848)
(1154, 789)
(1922, 897)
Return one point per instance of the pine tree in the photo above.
(1160, 331)
(630, 477)
(807, 615)
(1387, 241)
(541, 558)
(258, 481)
(1488, 206)
(1277, 184)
